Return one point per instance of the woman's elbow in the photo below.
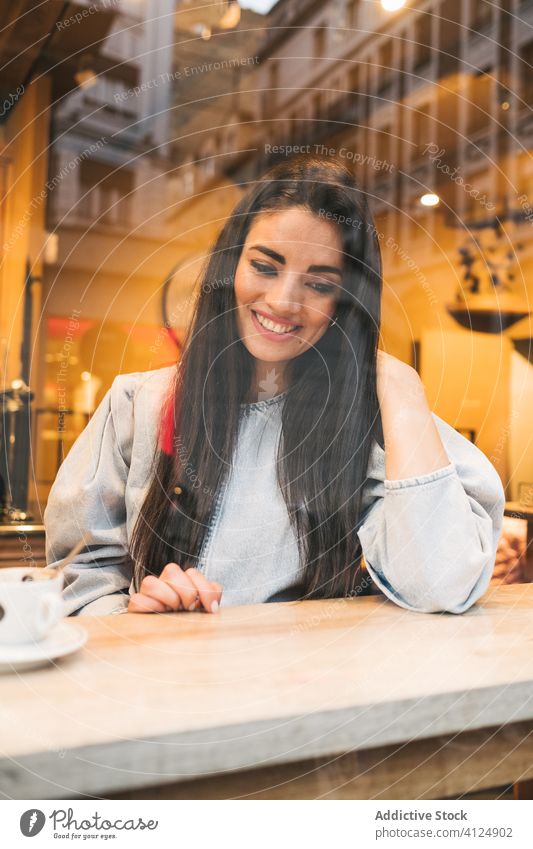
(459, 589)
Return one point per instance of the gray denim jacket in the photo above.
(429, 542)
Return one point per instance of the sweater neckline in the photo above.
(265, 402)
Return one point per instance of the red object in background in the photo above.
(167, 428)
(58, 326)
(109, 348)
(147, 341)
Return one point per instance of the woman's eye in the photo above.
(323, 288)
(263, 268)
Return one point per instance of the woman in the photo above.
(254, 471)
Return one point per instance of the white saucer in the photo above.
(64, 639)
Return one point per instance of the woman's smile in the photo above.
(274, 328)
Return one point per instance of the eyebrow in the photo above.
(281, 259)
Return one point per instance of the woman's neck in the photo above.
(269, 379)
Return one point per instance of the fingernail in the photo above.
(214, 607)
(193, 606)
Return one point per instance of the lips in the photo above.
(278, 331)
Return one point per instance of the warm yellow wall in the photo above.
(467, 378)
(521, 425)
(474, 381)
(24, 150)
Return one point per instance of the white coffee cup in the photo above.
(30, 604)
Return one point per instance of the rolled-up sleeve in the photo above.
(88, 498)
(429, 542)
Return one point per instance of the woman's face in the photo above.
(287, 283)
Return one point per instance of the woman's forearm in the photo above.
(413, 446)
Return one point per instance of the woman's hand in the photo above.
(413, 445)
(176, 589)
(395, 376)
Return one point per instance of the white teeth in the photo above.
(276, 328)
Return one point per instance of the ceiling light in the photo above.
(430, 199)
(203, 31)
(85, 75)
(85, 79)
(392, 5)
(231, 16)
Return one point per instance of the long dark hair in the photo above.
(329, 415)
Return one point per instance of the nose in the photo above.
(283, 296)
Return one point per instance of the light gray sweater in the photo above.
(429, 542)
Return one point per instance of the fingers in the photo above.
(140, 603)
(210, 592)
(176, 589)
(180, 582)
(159, 590)
(191, 584)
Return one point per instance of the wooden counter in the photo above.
(328, 699)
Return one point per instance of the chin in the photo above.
(269, 356)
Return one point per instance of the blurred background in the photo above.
(130, 128)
